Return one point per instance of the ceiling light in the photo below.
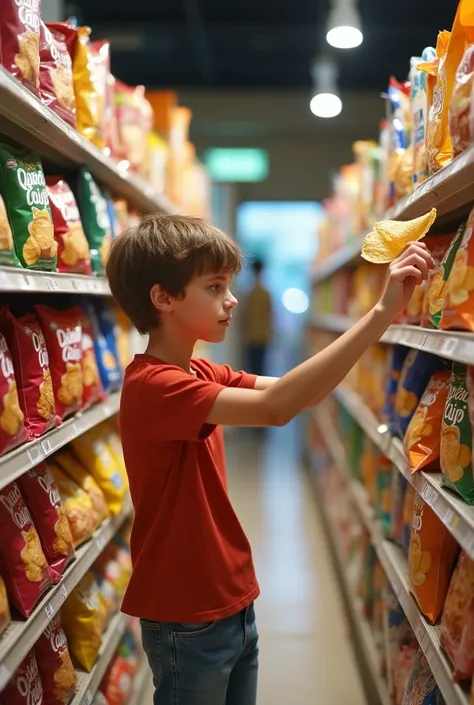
(325, 105)
(344, 28)
(326, 102)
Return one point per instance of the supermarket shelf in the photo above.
(12, 279)
(141, 682)
(88, 683)
(455, 514)
(20, 637)
(18, 461)
(340, 259)
(26, 120)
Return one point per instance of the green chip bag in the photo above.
(95, 220)
(7, 248)
(456, 437)
(439, 283)
(23, 189)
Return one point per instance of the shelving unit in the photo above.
(29, 281)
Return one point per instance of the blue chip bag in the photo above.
(421, 688)
(397, 358)
(105, 348)
(417, 369)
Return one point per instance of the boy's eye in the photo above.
(214, 287)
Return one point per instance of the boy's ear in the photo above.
(160, 299)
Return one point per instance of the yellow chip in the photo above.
(390, 237)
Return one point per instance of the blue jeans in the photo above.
(215, 663)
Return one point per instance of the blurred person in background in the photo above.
(256, 323)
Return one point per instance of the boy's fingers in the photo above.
(406, 271)
(418, 248)
(420, 262)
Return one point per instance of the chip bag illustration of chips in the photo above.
(77, 472)
(93, 390)
(73, 253)
(438, 287)
(431, 558)
(423, 435)
(456, 608)
(19, 41)
(25, 687)
(56, 84)
(82, 621)
(54, 663)
(390, 237)
(12, 429)
(458, 309)
(456, 437)
(77, 505)
(437, 245)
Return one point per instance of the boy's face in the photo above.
(205, 311)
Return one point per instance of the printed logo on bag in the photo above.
(100, 205)
(69, 340)
(28, 683)
(29, 13)
(34, 185)
(5, 360)
(39, 344)
(13, 502)
(456, 412)
(55, 635)
(48, 485)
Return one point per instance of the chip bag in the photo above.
(117, 684)
(458, 309)
(23, 564)
(93, 389)
(456, 436)
(110, 435)
(432, 556)
(77, 472)
(27, 347)
(456, 610)
(56, 86)
(90, 66)
(423, 435)
(419, 104)
(437, 245)
(433, 298)
(19, 41)
(77, 505)
(54, 663)
(73, 255)
(12, 430)
(133, 123)
(23, 188)
(398, 354)
(25, 687)
(96, 221)
(438, 286)
(390, 237)
(422, 688)
(82, 622)
(63, 333)
(400, 158)
(7, 248)
(408, 504)
(39, 490)
(459, 109)
(464, 662)
(5, 617)
(103, 331)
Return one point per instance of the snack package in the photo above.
(112, 438)
(408, 504)
(93, 390)
(402, 669)
(416, 373)
(400, 159)
(23, 564)
(460, 105)
(82, 623)
(432, 556)
(96, 221)
(77, 505)
(27, 347)
(390, 237)
(422, 688)
(90, 66)
(455, 613)
(63, 334)
(54, 663)
(134, 124)
(12, 430)
(423, 435)
(117, 684)
(437, 245)
(464, 662)
(42, 497)
(102, 325)
(5, 617)
(398, 354)
(456, 436)
(419, 110)
(433, 299)
(399, 487)
(438, 286)
(7, 248)
(56, 86)
(458, 309)
(23, 188)
(25, 687)
(19, 41)
(73, 254)
(77, 472)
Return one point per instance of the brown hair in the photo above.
(168, 250)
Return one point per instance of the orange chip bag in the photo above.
(459, 110)
(432, 555)
(77, 505)
(433, 298)
(458, 310)
(437, 245)
(82, 622)
(55, 666)
(422, 438)
(456, 609)
(79, 474)
(90, 67)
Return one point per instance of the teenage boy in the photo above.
(193, 584)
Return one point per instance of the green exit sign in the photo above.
(237, 164)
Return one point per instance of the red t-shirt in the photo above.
(191, 559)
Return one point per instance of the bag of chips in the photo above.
(5, 617)
(422, 688)
(19, 41)
(27, 347)
(39, 490)
(419, 109)
(54, 663)
(63, 334)
(102, 325)
(399, 487)
(460, 106)
(82, 621)
(23, 564)
(404, 661)
(401, 153)
(456, 609)
(433, 299)
(423, 436)
(456, 437)
(77, 505)
(458, 309)
(112, 438)
(96, 221)
(134, 124)
(432, 556)
(464, 661)
(25, 687)
(438, 286)
(417, 370)
(93, 390)
(56, 86)
(408, 504)
(7, 248)
(117, 684)
(23, 188)
(398, 354)
(77, 472)
(90, 67)
(73, 255)
(12, 430)
(437, 245)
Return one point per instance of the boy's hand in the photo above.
(411, 268)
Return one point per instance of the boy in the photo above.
(193, 583)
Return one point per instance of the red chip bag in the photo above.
(460, 104)
(464, 662)
(44, 502)
(23, 564)
(456, 610)
(133, 123)
(56, 87)
(5, 617)
(93, 389)
(27, 347)
(73, 248)
(55, 666)
(117, 684)
(12, 429)
(63, 333)
(25, 687)
(19, 40)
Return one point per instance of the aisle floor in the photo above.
(305, 651)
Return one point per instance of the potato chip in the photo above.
(77, 472)
(25, 687)
(458, 308)
(390, 237)
(456, 608)
(77, 505)
(12, 429)
(54, 663)
(82, 622)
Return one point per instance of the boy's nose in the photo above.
(231, 301)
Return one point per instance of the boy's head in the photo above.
(154, 263)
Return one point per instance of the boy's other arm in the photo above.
(309, 383)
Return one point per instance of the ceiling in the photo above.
(256, 43)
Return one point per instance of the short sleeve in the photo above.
(225, 375)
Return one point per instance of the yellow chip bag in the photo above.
(112, 438)
(82, 618)
(90, 69)
(77, 505)
(390, 237)
(75, 470)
